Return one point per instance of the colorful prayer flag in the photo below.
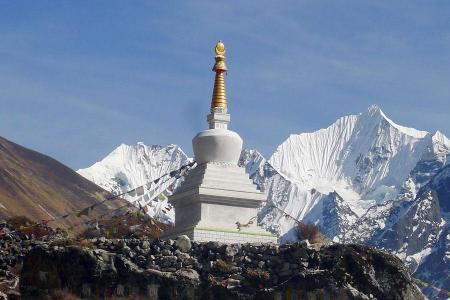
(162, 197)
(83, 212)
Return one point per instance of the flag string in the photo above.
(182, 171)
(251, 220)
(153, 221)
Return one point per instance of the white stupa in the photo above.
(217, 201)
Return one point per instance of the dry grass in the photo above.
(62, 295)
(17, 221)
(28, 227)
(222, 266)
(125, 226)
(311, 233)
(258, 274)
(73, 242)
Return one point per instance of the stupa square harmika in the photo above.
(217, 201)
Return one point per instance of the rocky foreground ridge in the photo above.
(138, 268)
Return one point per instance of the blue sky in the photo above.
(78, 78)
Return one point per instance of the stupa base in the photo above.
(204, 234)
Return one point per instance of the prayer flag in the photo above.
(140, 191)
(83, 212)
(132, 193)
(162, 197)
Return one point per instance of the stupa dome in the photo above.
(217, 145)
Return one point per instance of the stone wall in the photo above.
(181, 269)
(230, 237)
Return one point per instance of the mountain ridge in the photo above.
(41, 188)
(358, 179)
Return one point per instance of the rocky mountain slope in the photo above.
(363, 179)
(40, 188)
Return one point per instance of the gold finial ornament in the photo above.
(219, 97)
(220, 48)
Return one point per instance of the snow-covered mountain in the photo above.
(363, 179)
(131, 166)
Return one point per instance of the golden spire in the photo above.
(219, 97)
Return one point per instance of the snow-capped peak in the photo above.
(376, 110)
(357, 152)
(129, 166)
(365, 158)
(439, 137)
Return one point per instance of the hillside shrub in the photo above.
(310, 232)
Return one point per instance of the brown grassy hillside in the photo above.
(39, 187)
